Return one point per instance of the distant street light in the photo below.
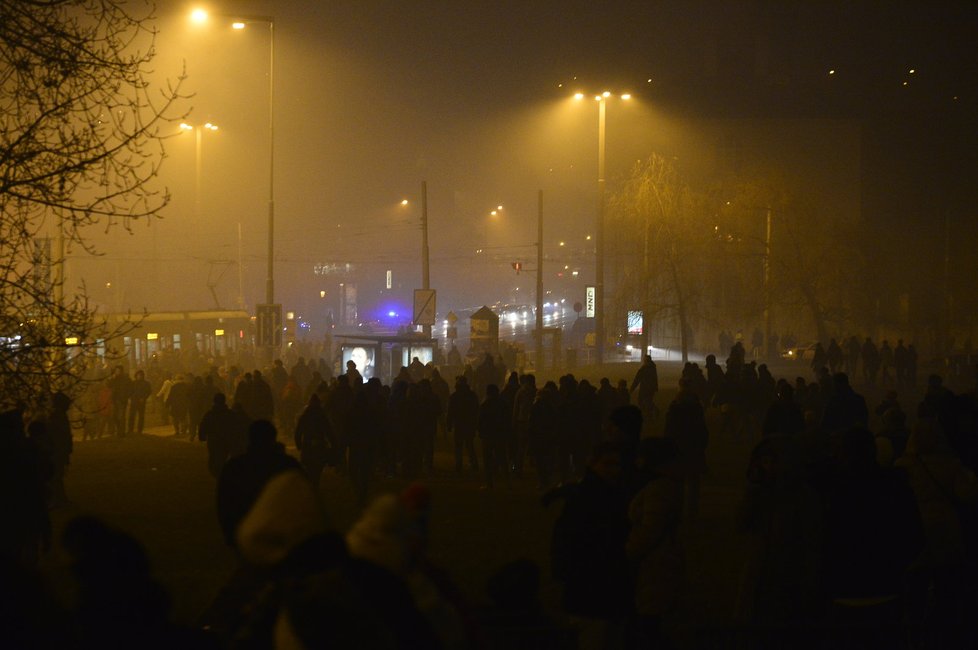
(599, 315)
(198, 159)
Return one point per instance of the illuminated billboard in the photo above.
(364, 356)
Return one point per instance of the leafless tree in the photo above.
(662, 230)
(81, 143)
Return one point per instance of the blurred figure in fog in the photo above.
(24, 472)
(463, 421)
(647, 382)
(686, 426)
(137, 403)
(62, 444)
(588, 552)
(225, 432)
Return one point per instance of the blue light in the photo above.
(392, 313)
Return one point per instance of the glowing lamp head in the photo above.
(237, 25)
(186, 127)
(578, 96)
(199, 16)
(404, 202)
(626, 96)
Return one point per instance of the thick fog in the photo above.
(475, 99)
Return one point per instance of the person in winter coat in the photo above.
(781, 517)
(62, 444)
(946, 493)
(588, 551)
(392, 534)
(492, 425)
(314, 439)
(463, 420)
(225, 432)
(686, 425)
(244, 477)
(653, 546)
(178, 403)
(299, 587)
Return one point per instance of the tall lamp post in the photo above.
(239, 23)
(599, 334)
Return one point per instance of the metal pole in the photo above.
(270, 275)
(599, 240)
(767, 289)
(646, 291)
(198, 158)
(241, 303)
(425, 277)
(538, 362)
(425, 274)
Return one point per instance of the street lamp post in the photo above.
(599, 235)
(599, 315)
(238, 23)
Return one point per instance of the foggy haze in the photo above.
(373, 98)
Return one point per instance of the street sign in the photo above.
(268, 319)
(452, 333)
(451, 318)
(589, 302)
(424, 307)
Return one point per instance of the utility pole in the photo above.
(538, 362)
(425, 275)
(599, 243)
(768, 352)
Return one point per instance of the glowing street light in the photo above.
(198, 159)
(602, 100)
(201, 16)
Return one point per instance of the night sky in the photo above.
(374, 97)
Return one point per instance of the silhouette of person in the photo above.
(243, 477)
(647, 382)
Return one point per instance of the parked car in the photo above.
(804, 352)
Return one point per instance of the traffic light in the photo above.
(517, 266)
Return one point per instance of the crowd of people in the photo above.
(855, 536)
